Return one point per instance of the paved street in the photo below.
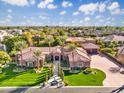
(105, 64)
(59, 90)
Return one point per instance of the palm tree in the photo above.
(37, 38)
(37, 55)
(72, 47)
(28, 36)
(19, 46)
(63, 39)
(49, 40)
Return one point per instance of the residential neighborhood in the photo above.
(61, 55)
(66, 46)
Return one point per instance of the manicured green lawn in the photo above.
(82, 79)
(26, 78)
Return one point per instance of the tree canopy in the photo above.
(4, 57)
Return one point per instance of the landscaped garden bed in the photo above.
(25, 78)
(95, 78)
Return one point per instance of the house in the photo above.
(116, 38)
(91, 48)
(77, 58)
(90, 40)
(75, 39)
(120, 55)
(80, 40)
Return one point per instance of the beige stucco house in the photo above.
(117, 38)
(76, 58)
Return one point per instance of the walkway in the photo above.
(105, 64)
(56, 68)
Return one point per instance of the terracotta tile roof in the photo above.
(114, 38)
(79, 39)
(29, 52)
(121, 50)
(89, 46)
(79, 55)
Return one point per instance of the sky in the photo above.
(62, 12)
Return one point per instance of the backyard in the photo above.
(82, 79)
(25, 78)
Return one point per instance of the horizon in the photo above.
(67, 13)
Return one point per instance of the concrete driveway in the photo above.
(105, 64)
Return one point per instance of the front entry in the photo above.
(57, 58)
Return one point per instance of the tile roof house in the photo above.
(76, 39)
(80, 40)
(116, 38)
(91, 48)
(56, 54)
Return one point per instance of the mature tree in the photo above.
(28, 36)
(37, 55)
(113, 44)
(57, 41)
(4, 57)
(42, 35)
(20, 46)
(36, 38)
(101, 43)
(10, 42)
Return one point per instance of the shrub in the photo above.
(87, 71)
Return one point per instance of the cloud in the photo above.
(16, 2)
(114, 8)
(101, 20)
(9, 11)
(9, 17)
(51, 6)
(76, 13)
(6, 20)
(66, 4)
(102, 7)
(86, 19)
(42, 4)
(81, 21)
(91, 8)
(47, 4)
(43, 17)
(122, 22)
(62, 12)
(32, 2)
(88, 8)
(98, 16)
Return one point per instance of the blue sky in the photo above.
(62, 12)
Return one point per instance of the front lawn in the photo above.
(25, 78)
(81, 79)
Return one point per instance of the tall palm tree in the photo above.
(63, 39)
(20, 46)
(37, 55)
(37, 38)
(28, 36)
(49, 40)
(72, 47)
